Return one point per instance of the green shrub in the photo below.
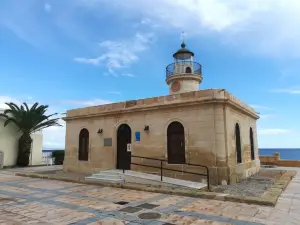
(58, 156)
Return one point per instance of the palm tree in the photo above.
(27, 120)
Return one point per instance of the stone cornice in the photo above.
(163, 105)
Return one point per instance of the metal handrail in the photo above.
(178, 68)
(162, 168)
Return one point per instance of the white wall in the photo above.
(9, 138)
(37, 147)
(9, 143)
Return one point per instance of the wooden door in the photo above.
(176, 143)
(123, 156)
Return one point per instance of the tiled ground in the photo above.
(36, 201)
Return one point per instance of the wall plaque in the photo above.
(107, 141)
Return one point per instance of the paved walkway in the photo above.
(287, 209)
(33, 169)
(35, 201)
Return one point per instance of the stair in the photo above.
(117, 177)
(109, 176)
(166, 180)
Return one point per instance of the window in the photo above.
(238, 144)
(188, 70)
(252, 144)
(83, 154)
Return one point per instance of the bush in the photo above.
(58, 156)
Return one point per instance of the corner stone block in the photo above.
(213, 176)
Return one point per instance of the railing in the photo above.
(183, 67)
(162, 168)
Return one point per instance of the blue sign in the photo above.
(137, 136)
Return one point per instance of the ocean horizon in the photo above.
(285, 153)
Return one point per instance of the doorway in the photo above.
(176, 143)
(123, 138)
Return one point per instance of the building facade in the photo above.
(188, 126)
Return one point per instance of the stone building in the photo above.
(188, 126)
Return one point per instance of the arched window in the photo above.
(175, 144)
(238, 144)
(252, 144)
(83, 150)
(188, 70)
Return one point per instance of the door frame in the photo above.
(116, 140)
(187, 159)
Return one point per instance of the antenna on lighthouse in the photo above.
(183, 39)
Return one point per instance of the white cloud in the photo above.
(261, 107)
(146, 21)
(267, 116)
(273, 131)
(86, 103)
(120, 54)
(288, 90)
(8, 99)
(266, 27)
(128, 75)
(54, 137)
(47, 7)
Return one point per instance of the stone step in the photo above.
(108, 175)
(105, 179)
(115, 172)
(166, 180)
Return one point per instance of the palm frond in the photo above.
(13, 106)
(47, 123)
(29, 120)
(33, 107)
(26, 106)
(10, 120)
(54, 114)
(3, 115)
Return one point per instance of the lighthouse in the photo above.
(184, 75)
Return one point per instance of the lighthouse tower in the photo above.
(184, 75)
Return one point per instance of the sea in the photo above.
(285, 153)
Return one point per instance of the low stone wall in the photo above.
(276, 161)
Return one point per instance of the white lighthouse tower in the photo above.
(184, 75)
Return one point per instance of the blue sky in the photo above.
(77, 53)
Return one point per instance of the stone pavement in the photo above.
(287, 208)
(33, 169)
(26, 200)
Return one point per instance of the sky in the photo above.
(77, 53)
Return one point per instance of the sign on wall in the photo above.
(128, 147)
(137, 136)
(107, 141)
